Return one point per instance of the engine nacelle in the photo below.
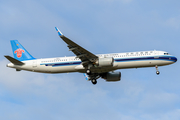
(105, 62)
(112, 76)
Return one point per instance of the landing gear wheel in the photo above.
(88, 71)
(94, 81)
(157, 72)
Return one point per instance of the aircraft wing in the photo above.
(79, 51)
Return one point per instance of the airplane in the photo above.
(92, 66)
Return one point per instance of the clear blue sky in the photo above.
(101, 26)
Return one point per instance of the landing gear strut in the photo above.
(157, 71)
(94, 81)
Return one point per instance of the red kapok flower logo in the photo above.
(19, 52)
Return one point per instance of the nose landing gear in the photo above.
(157, 71)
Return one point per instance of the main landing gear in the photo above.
(94, 81)
(92, 76)
(157, 71)
(88, 71)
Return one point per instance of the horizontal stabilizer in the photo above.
(14, 61)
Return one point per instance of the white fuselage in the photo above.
(121, 61)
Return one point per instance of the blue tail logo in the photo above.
(20, 53)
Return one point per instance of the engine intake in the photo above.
(112, 76)
(105, 62)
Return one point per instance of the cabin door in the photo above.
(34, 64)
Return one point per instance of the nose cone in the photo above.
(174, 59)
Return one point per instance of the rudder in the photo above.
(19, 52)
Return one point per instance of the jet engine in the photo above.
(112, 76)
(105, 62)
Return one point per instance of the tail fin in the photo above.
(19, 52)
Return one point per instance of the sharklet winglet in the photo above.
(59, 32)
(86, 77)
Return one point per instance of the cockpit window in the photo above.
(166, 53)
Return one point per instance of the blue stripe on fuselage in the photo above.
(66, 64)
(61, 64)
(165, 58)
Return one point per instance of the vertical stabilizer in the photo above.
(19, 52)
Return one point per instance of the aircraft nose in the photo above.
(175, 59)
